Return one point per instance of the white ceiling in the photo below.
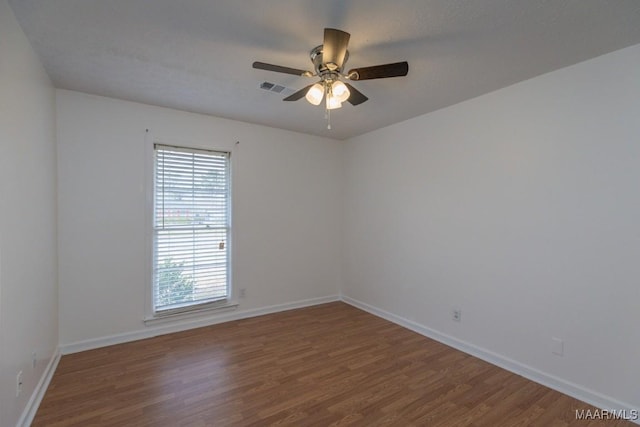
(196, 55)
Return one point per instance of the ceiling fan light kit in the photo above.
(315, 94)
(328, 62)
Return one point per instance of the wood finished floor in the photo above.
(328, 365)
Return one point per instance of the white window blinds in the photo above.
(191, 228)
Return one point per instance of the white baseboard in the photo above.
(566, 387)
(38, 393)
(182, 325)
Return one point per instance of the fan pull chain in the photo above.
(328, 119)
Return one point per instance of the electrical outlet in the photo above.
(18, 383)
(243, 292)
(456, 315)
(557, 346)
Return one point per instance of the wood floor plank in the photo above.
(328, 365)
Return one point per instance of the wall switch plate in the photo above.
(557, 346)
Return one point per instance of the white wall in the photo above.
(520, 207)
(28, 274)
(287, 211)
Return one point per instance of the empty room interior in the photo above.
(365, 213)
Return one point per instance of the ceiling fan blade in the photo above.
(334, 48)
(281, 69)
(299, 94)
(397, 69)
(356, 97)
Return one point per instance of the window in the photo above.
(191, 228)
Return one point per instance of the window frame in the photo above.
(151, 315)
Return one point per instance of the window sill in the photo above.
(194, 313)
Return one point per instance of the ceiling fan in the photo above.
(328, 63)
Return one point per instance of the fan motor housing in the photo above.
(318, 64)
